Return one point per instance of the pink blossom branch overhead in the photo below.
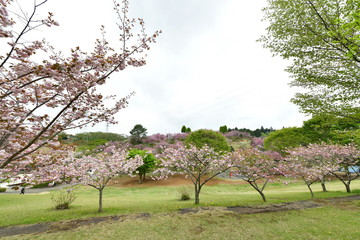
(40, 99)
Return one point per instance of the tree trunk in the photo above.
(197, 193)
(263, 196)
(197, 199)
(258, 190)
(309, 186)
(323, 186)
(100, 200)
(140, 178)
(347, 185)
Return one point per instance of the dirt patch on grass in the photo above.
(275, 207)
(175, 180)
(52, 227)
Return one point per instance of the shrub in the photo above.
(63, 198)
(2, 189)
(43, 185)
(184, 193)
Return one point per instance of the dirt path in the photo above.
(73, 224)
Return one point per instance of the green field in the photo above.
(330, 222)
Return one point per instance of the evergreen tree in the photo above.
(138, 133)
(183, 129)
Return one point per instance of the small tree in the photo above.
(254, 166)
(183, 129)
(149, 162)
(317, 161)
(94, 171)
(346, 158)
(310, 170)
(223, 129)
(199, 164)
(138, 134)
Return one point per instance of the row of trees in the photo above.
(197, 158)
(320, 128)
(259, 132)
(39, 99)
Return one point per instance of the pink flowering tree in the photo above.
(348, 158)
(257, 142)
(199, 164)
(256, 168)
(317, 161)
(44, 92)
(308, 170)
(94, 171)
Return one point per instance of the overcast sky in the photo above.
(205, 71)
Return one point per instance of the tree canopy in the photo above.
(138, 133)
(149, 162)
(321, 37)
(210, 138)
(281, 140)
(44, 91)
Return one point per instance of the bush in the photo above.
(63, 198)
(2, 189)
(42, 185)
(184, 194)
(211, 138)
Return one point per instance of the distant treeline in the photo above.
(255, 133)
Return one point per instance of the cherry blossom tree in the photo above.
(257, 142)
(254, 167)
(316, 161)
(199, 164)
(308, 170)
(43, 92)
(346, 160)
(94, 171)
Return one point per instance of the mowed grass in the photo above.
(310, 224)
(35, 208)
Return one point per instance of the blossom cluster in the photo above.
(41, 98)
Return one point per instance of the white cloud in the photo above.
(206, 70)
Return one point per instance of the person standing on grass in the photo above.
(22, 191)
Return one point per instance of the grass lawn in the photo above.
(319, 223)
(35, 208)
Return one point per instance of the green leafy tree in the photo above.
(223, 129)
(149, 160)
(137, 134)
(319, 128)
(281, 140)
(332, 129)
(183, 129)
(210, 138)
(321, 37)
